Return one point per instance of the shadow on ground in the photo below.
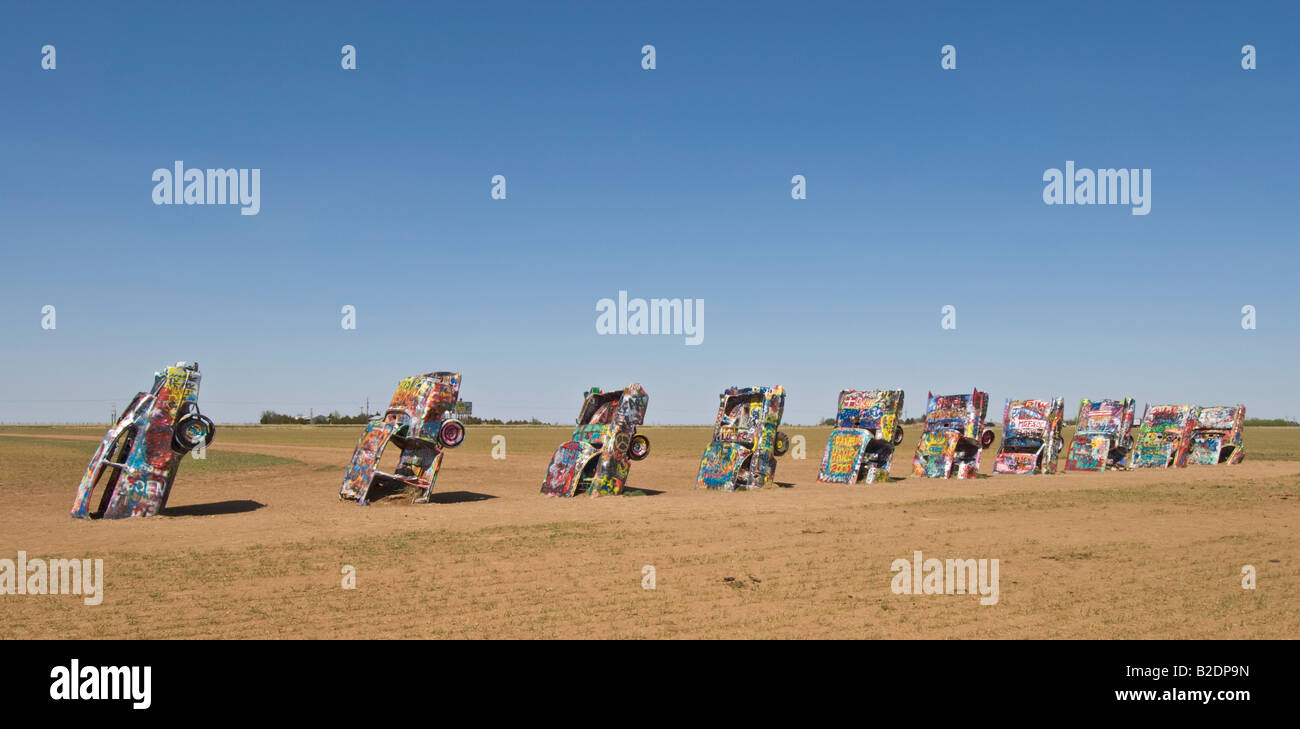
(458, 497)
(237, 506)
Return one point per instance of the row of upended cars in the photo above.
(136, 463)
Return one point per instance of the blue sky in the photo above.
(924, 189)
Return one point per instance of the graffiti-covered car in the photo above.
(138, 458)
(867, 429)
(746, 441)
(418, 421)
(1164, 436)
(1217, 436)
(1031, 436)
(1102, 439)
(598, 456)
(954, 436)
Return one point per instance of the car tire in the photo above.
(638, 448)
(451, 433)
(782, 444)
(192, 430)
(897, 440)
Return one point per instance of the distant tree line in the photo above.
(270, 417)
(1268, 421)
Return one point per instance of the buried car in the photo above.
(138, 458)
(866, 432)
(418, 421)
(746, 441)
(605, 442)
(954, 436)
(1031, 436)
(1164, 437)
(1102, 437)
(1217, 435)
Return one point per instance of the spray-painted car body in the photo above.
(143, 450)
(1164, 437)
(953, 437)
(1102, 438)
(418, 421)
(867, 429)
(1031, 436)
(746, 440)
(1217, 436)
(605, 442)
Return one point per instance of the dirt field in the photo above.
(255, 539)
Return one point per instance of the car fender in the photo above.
(85, 490)
(1088, 452)
(843, 456)
(361, 470)
(566, 467)
(720, 465)
(935, 452)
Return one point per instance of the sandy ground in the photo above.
(257, 547)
